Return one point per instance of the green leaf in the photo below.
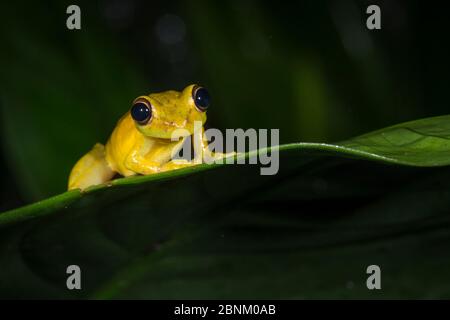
(225, 231)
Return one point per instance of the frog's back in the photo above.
(121, 143)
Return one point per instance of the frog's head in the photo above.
(158, 115)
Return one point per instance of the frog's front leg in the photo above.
(203, 152)
(141, 165)
(198, 141)
(178, 163)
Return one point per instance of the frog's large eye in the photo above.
(201, 98)
(141, 111)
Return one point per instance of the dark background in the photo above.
(309, 68)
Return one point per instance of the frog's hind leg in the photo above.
(91, 169)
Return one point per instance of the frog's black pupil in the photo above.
(202, 99)
(140, 112)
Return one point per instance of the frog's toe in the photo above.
(178, 164)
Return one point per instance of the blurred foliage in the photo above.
(225, 231)
(60, 93)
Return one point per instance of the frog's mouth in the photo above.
(170, 132)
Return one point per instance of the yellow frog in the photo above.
(141, 142)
